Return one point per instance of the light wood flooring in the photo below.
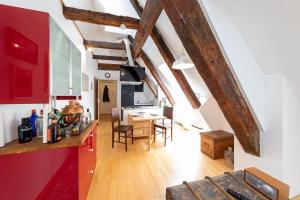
(139, 174)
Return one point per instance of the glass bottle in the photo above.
(34, 122)
(89, 115)
(40, 125)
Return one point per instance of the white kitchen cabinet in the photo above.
(65, 64)
(76, 71)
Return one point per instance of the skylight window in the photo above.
(119, 7)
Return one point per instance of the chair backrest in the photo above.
(115, 117)
(168, 113)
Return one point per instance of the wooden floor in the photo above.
(139, 174)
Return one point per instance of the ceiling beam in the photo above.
(169, 59)
(99, 18)
(156, 76)
(199, 41)
(104, 45)
(150, 85)
(149, 17)
(114, 58)
(137, 7)
(106, 66)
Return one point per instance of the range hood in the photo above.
(131, 74)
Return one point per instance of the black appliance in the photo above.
(127, 95)
(132, 74)
(25, 131)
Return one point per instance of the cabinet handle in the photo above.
(91, 150)
(91, 172)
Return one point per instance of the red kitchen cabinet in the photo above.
(64, 173)
(87, 162)
(24, 55)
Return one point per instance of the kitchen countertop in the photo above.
(36, 144)
(140, 107)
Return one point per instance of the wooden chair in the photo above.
(124, 131)
(164, 125)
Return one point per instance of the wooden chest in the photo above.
(214, 143)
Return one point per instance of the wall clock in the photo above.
(107, 75)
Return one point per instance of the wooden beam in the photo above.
(156, 37)
(148, 19)
(156, 76)
(114, 58)
(137, 7)
(150, 85)
(198, 39)
(104, 45)
(99, 18)
(169, 59)
(105, 66)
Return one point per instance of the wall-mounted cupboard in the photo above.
(24, 56)
(37, 58)
(65, 64)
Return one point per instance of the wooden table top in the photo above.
(36, 144)
(217, 135)
(147, 117)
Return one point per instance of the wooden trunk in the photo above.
(214, 143)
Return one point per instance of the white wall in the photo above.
(115, 75)
(146, 97)
(14, 113)
(271, 91)
(214, 118)
(271, 160)
(291, 157)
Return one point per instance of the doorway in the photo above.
(107, 96)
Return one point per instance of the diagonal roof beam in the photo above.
(169, 59)
(114, 58)
(150, 85)
(155, 74)
(198, 39)
(99, 18)
(148, 19)
(104, 45)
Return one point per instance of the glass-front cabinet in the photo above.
(65, 64)
(76, 71)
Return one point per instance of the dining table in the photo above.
(146, 119)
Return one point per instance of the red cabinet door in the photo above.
(93, 145)
(24, 55)
(84, 169)
(87, 163)
(50, 174)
